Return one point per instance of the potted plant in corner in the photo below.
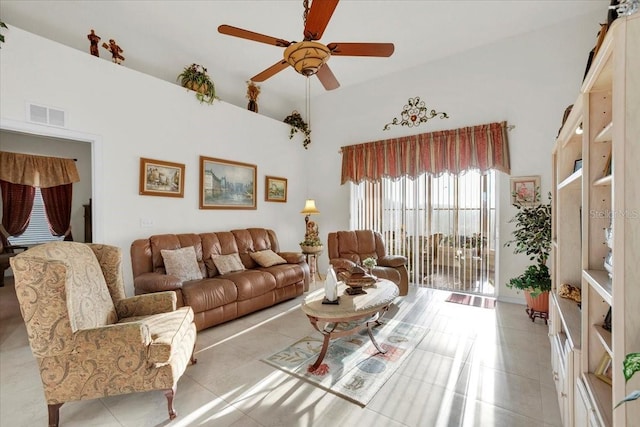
(195, 77)
(532, 236)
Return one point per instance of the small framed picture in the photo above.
(525, 190)
(604, 372)
(275, 189)
(577, 165)
(160, 178)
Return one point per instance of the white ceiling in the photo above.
(161, 37)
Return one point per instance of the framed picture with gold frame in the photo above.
(604, 369)
(225, 184)
(161, 178)
(275, 189)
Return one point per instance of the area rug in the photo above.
(473, 300)
(352, 369)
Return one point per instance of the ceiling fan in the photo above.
(309, 56)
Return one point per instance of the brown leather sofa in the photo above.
(349, 248)
(218, 298)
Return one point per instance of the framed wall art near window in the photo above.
(225, 184)
(275, 189)
(525, 190)
(160, 178)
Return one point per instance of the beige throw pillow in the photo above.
(227, 263)
(182, 263)
(267, 258)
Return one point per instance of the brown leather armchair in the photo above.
(349, 248)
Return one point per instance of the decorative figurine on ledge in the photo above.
(115, 51)
(93, 40)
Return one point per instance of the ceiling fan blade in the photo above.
(250, 35)
(269, 72)
(361, 49)
(326, 77)
(318, 18)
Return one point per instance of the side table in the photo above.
(312, 260)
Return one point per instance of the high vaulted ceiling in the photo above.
(161, 37)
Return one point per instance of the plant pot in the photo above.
(539, 303)
(538, 306)
(311, 249)
(203, 88)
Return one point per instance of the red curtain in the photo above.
(17, 202)
(482, 148)
(57, 204)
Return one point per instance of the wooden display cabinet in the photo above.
(603, 194)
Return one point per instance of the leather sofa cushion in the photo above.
(207, 294)
(285, 274)
(252, 283)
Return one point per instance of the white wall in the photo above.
(526, 80)
(134, 115)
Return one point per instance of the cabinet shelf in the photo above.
(605, 134)
(572, 181)
(605, 338)
(570, 317)
(582, 203)
(601, 393)
(599, 280)
(602, 182)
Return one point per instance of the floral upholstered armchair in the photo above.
(91, 341)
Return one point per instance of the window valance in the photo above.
(37, 171)
(482, 148)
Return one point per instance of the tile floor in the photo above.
(475, 367)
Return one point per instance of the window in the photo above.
(444, 225)
(38, 229)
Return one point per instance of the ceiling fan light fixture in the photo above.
(307, 57)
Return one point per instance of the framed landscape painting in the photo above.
(275, 189)
(225, 184)
(525, 190)
(160, 178)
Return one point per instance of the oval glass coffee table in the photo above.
(354, 313)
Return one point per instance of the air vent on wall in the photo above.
(46, 115)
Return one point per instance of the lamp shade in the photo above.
(310, 207)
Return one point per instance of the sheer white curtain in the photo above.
(444, 225)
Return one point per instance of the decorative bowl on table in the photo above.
(356, 279)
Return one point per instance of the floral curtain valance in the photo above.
(482, 148)
(37, 171)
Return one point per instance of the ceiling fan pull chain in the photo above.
(308, 101)
(306, 11)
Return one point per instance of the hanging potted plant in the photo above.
(298, 124)
(195, 77)
(532, 237)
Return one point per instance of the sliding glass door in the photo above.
(444, 225)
